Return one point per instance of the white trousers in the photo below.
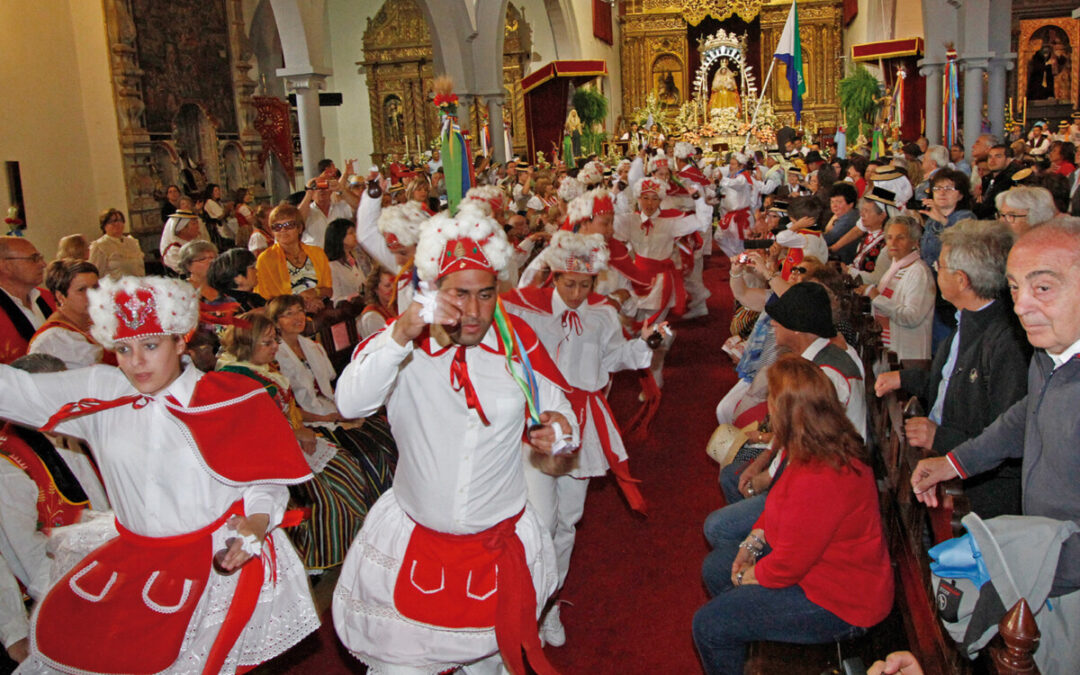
(696, 293)
(559, 503)
(492, 665)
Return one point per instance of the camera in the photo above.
(322, 184)
(757, 243)
(744, 259)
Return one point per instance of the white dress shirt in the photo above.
(454, 474)
(33, 312)
(586, 360)
(14, 623)
(68, 346)
(317, 222)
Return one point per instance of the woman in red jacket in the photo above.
(815, 568)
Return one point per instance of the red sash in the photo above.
(133, 599)
(687, 245)
(474, 581)
(53, 507)
(740, 218)
(594, 404)
(669, 277)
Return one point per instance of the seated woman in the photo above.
(305, 364)
(380, 310)
(871, 256)
(73, 246)
(66, 334)
(114, 253)
(290, 267)
(819, 537)
(345, 269)
(234, 277)
(903, 300)
(185, 481)
(261, 236)
(339, 495)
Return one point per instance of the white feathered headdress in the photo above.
(683, 150)
(657, 161)
(401, 224)
(650, 185)
(592, 175)
(135, 307)
(570, 188)
(580, 253)
(469, 240)
(592, 203)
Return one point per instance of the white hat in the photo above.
(400, 224)
(573, 252)
(133, 307)
(469, 240)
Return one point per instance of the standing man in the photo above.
(1042, 428)
(23, 306)
(451, 565)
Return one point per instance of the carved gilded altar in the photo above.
(170, 125)
(397, 66)
(655, 32)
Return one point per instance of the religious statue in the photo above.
(725, 88)
(572, 138)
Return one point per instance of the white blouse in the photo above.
(152, 470)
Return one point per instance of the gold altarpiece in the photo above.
(656, 31)
(399, 72)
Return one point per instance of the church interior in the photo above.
(110, 102)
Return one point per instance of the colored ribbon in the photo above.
(92, 405)
(459, 380)
(511, 343)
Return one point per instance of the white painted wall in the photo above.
(592, 48)
(58, 120)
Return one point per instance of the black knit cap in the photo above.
(804, 308)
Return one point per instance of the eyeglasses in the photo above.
(287, 225)
(205, 258)
(944, 188)
(799, 270)
(36, 258)
(1011, 217)
(272, 342)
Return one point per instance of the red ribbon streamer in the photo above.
(459, 380)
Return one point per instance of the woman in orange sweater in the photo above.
(815, 568)
(290, 267)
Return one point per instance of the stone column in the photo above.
(307, 87)
(995, 95)
(933, 72)
(495, 124)
(974, 67)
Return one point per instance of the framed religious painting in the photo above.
(1048, 60)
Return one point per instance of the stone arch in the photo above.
(564, 28)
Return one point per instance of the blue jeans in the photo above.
(733, 521)
(737, 615)
(729, 482)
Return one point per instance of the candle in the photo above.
(406, 146)
(419, 145)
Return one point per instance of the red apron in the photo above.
(740, 218)
(474, 581)
(133, 599)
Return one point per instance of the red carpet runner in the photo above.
(634, 582)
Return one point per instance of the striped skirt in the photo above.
(340, 495)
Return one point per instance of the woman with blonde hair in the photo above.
(819, 537)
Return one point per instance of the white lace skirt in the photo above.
(284, 615)
(363, 609)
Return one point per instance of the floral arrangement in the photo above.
(445, 98)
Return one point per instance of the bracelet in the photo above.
(759, 540)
